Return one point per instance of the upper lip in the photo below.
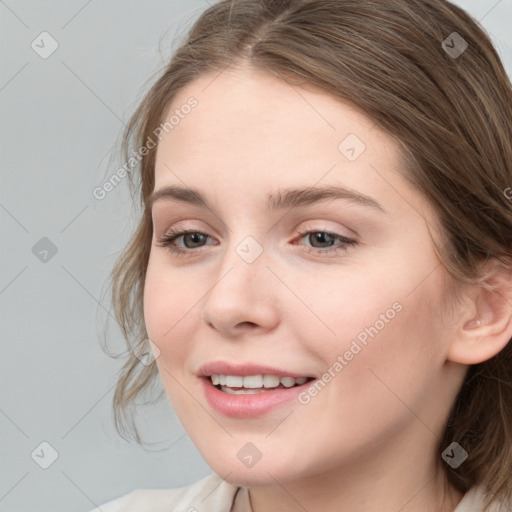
(243, 370)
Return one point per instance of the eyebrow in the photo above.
(286, 198)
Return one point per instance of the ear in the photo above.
(485, 325)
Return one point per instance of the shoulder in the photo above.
(474, 501)
(211, 491)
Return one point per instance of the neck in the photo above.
(285, 497)
(401, 482)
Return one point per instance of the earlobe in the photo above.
(487, 327)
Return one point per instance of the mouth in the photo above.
(248, 390)
(253, 384)
(235, 400)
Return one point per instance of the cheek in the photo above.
(171, 317)
(339, 307)
(385, 365)
(365, 326)
(170, 310)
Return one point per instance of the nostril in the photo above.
(247, 324)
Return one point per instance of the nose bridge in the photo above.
(243, 265)
(241, 291)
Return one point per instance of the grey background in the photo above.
(61, 117)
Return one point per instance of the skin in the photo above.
(369, 437)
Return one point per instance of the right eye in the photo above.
(168, 240)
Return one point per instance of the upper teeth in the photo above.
(256, 381)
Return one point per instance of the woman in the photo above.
(322, 267)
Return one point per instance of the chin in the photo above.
(249, 477)
(263, 472)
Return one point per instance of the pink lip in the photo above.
(249, 406)
(243, 370)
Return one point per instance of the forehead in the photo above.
(258, 109)
(247, 113)
(251, 133)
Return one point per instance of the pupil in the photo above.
(193, 235)
(320, 235)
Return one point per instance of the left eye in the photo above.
(197, 237)
(329, 238)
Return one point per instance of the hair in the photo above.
(452, 115)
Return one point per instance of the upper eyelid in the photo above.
(192, 229)
(186, 226)
(359, 219)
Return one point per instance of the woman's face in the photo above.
(338, 283)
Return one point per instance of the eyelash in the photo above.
(170, 237)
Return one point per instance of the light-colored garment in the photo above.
(212, 494)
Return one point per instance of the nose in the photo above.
(242, 297)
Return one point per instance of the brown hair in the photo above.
(452, 114)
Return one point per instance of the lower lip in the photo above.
(249, 406)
